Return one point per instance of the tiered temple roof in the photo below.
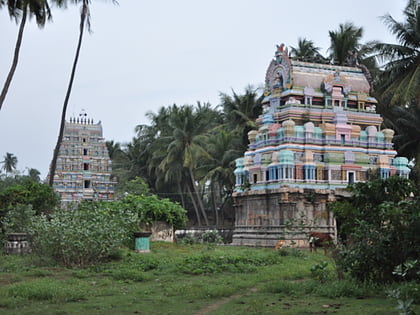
(319, 130)
(83, 165)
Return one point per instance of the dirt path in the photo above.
(215, 306)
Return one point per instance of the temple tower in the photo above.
(83, 165)
(319, 132)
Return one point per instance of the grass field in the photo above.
(198, 279)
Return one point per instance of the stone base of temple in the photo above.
(284, 216)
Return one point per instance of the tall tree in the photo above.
(218, 167)
(400, 81)
(9, 163)
(344, 41)
(19, 10)
(405, 120)
(33, 174)
(84, 23)
(307, 51)
(241, 111)
(185, 148)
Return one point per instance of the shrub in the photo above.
(151, 208)
(379, 226)
(211, 237)
(188, 239)
(18, 218)
(81, 237)
(320, 272)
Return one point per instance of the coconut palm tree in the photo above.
(184, 148)
(33, 174)
(218, 167)
(85, 22)
(20, 11)
(9, 163)
(405, 120)
(400, 80)
(306, 51)
(241, 111)
(344, 41)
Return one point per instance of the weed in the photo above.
(293, 252)
(46, 290)
(319, 271)
(128, 275)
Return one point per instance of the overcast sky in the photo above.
(143, 55)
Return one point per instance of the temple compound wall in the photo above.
(319, 132)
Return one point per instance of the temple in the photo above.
(319, 132)
(83, 165)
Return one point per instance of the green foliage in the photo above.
(293, 252)
(18, 218)
(151, 208)
(208, 238)
(81, 237)
(156, 279)
(42, 197)
(329, 289)
(128, 274)
(207, 263)
(136, 186)
(320, 272)
(46, 290)
(404, 303)
(93, 231)
(211, 237)
(380, 226)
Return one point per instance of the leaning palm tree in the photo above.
(400, 81)
(19, 11)
(9, 162)
(306, 51)
(84, 23)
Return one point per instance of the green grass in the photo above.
(196, 279)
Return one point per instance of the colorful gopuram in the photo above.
(83, 165)
(319, 132)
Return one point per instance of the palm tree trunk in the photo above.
(196, 193)
(181, 192)
(213, 199)
(66, 100)
(15, 57)
(197, 214)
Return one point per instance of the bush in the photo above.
(81, 237)
(208, 238)
(211, 237)
(320, 272)
(151, 208)
(18, 218)
(379, 226)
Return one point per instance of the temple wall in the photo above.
(265, 217)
